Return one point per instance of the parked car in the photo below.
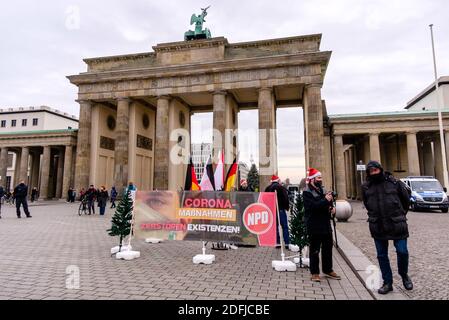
(427, 193)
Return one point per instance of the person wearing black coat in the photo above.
(387, 201)
(103, 197)
(21, 193)
(284, 206)
(91, 196)
(318, 212)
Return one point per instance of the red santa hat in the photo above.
(275, 178)
(312, 174)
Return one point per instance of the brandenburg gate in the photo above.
(130, 105)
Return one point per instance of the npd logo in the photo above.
(258, 218)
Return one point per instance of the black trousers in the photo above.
(319, 242)
(24, 203)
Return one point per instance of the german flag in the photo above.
(231, 176)
(191, 181)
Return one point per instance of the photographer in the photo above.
(319, 209)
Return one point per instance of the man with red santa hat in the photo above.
(318, 210)
(284, 206)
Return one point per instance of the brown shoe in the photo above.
(316, 278)
(333, 275)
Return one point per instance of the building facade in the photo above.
(37, 146)
(134, 109)
(200, 155)
(427, 99)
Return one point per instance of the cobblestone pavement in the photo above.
(428, 248)
(35, 254)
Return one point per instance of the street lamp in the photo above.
(440, 116)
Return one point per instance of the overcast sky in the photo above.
(381, 48)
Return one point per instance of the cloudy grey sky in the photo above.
(381, 48)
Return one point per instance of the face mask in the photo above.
(318, 184)
(377, 177)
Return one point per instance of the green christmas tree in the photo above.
(121, 221)
(298, 230)
(253, 178)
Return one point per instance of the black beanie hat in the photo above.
(373, 164)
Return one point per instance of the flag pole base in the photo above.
(204, 258)
(284, 266)
(124, 248)
(153, 240)
(128, 255)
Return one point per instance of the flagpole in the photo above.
(440, 116)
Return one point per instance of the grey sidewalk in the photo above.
(35, 254)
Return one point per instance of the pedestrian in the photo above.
(73, 195)
(387, 201)
(91, 196)
(244, 187)
(34, 194)
(82, 194)
(103, 197)
(318, 212)
(21, 193)
(284, 206)
(113, 197)
(2, 194)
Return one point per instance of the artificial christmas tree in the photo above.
(253, 178)
(121, 221)
(298, 230)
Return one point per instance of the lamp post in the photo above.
(440, 116)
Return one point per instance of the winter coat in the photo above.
(387, 203)
(21, 191)
(282, 195)
(2, 192)
(113, 194)
(247, 189)
(317, 213)
(103, 198)
(91, 194)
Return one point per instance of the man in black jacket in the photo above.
(91, 196)
(318, 211)
(387, 201)
(21, 193)
(284, 206)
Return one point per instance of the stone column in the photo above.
(347, 180)
(161, 152)
(314, 128)
(23, 175)
(267, 138)
(67, 171)
(412, 153)
(438, 159)
(428, 160)
(374, 147)
(121, 145)
(82, 167)
(339, 158)
(351, 164)
(3, 167)
(219, 122)
(45, 173)
(446, 139)
(16, 180)
(35, 166)
(60, 175)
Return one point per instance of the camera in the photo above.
(334, 195)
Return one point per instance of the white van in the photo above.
(427, 193)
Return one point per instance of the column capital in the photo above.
(270, 89)
(219, 92)
(373, 134)
(84, 101)
(124, 99)
(411, 132)
(314, 85)
(164, 97)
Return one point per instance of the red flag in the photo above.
(191, 181)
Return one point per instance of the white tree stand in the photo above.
(124, 248)
(129, 254)
(153, 240)
(282, 265)
(204, 258)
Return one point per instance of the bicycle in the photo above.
(83, 207)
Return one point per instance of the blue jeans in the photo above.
(102, 211)
(384, 262)
(284, 224)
